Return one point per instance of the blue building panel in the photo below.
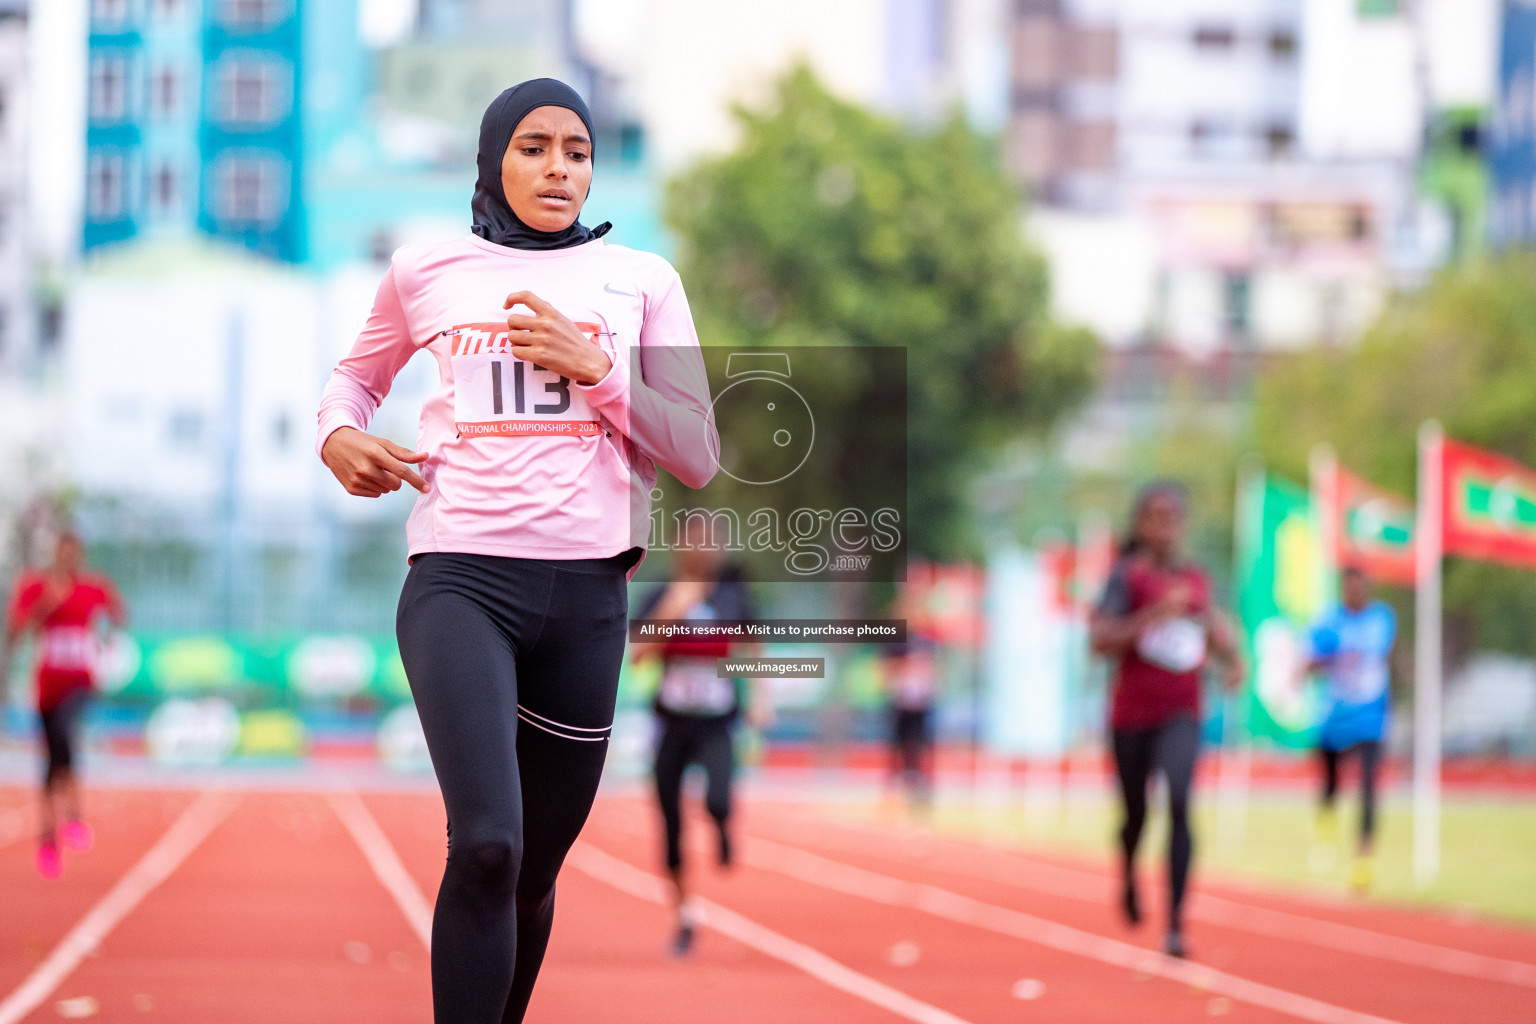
(1512, 161)
(251, 131)
(112, 139)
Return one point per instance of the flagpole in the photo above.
(1236, 764)
(1428, 555)
(1323, 481)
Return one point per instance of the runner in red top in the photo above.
(1156, 620)
(63, 604)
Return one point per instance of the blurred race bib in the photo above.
(69, 649)
(1177, 645)
(1359, 678)
(692, 687)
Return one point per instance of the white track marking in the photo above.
(385, 862)
(1076, 884)
(184, 835)
(896, 892)
(1351, 939)
(15, 825)
(629, 879)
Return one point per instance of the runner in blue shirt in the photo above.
(1351, 648)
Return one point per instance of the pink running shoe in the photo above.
(77, 836)
(49, 864)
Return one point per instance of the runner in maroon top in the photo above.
(1156, 620)
(63, 604)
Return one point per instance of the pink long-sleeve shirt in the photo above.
(521, 461)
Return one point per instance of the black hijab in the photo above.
(494, 219)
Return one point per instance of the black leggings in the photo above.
(705, 742)
(59, 724)
(910, 740)
(1370, 756)
(1172, 748)
(514, 665)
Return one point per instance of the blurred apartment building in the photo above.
(1216, 182)
(216, 116)
(1231, 175)
(1513, 138)
(687, 63)
(271, 124)
(17, 327)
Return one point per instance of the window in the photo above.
(1214, 37)
(250, 189)
(164, 190)
(1279, 141)
(109, 88)
(1359, 224)
(165, 92)
(50, 326)
(253, 14)
(109, 14)
(105, 198)
(1202, 134)
(1377, 8)
(185, 429)
(1094, 52)
(251, 92)
(1235, 305)
(381, 246)
(1469, 139)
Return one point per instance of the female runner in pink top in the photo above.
(535, 463)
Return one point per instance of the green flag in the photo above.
(1280, 589)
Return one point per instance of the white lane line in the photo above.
(385, 862)
(184, 835)
(14, 825)
(1073, 883)
(897, 892)
(629, 879)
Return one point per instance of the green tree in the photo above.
(1462, 351)
(831, 225)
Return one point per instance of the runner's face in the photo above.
(66, 555)
(546, 171)
(1160, 524)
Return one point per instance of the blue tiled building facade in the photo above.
(200, 115)
(259, 122)
(1512, 158)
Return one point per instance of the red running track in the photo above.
(310, 906)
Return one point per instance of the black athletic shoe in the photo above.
(1173, 945)
(682, 943)
(1129, 904)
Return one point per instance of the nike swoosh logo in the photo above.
(611, 290)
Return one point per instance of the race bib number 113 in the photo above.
(497, 394)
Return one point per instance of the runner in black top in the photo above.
(910, 673)
(695, 708)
